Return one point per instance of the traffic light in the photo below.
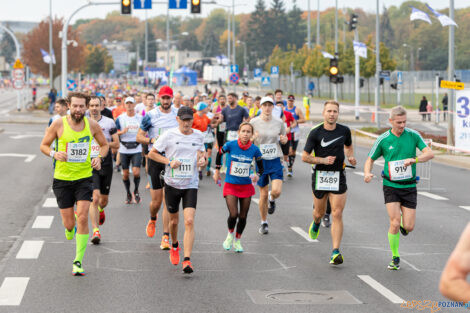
(195, 6)
(361, 82)
(126, 6)
(353, 22)
(334, 70)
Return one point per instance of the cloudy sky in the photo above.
(36, 10)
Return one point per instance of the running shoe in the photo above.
(96, 238)
(395, 264)
(77, 269)
(228, 242)
(165, 244)
(336, 258)
(272, 204)
(289, 172)
(200, 175)
(117, 168)
(325, 221)
(102, 217)
(175, 255)
(237, 246)
(187, 267)
(137, 197)
(264, 229)
(150, 228)
(70, 234)
(208, 174)
(312, 233)
(128, 199)
(403, 231)
(147, 186)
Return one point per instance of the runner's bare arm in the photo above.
(114, 144)
(368, 169)
(349, 152)
(301, 116)
(157, 157)
(52, 133)
(426, 155)
(141, 137)
(308, 158)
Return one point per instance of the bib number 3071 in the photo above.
(327, 180)
(77, 152)
(240, 169)
(398, 171)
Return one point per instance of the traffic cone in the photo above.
(372, 118)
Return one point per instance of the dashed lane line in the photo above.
(43, 221)
(303, 234)
(12, 290)
(431, 195)
(381, 289)
(465, 207)
(50, 203)
(30, 249)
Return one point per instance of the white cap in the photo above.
(266, 99)
(186, 98)
(129, 99)
(204, 94)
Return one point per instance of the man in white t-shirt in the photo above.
(184, 152)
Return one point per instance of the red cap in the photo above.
(166, 91)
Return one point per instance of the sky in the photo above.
(37, 10)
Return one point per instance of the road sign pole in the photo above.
(356, 77)
(450, 76)
(437, 98)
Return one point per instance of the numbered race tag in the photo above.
(327, 180)
(222, 127)
(95, 149)
(132, 127)
(77, 152)
(240, 169)
(397, 171)
(185, 170)
(269, 151)
(232, 135)
(208, 137)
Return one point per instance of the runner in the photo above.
(238, 187)
(256, 106)
(154, 124)
(105, 111)
(398, 148)
(119, 109)
(73, 171)
(295, 132)
(268, 133)
(233, 115)
(101, 179)
(289, 121)
(278, 97)
(184, 152)
(60, 107)
(204, 124)
(130, 150)
(329, 141)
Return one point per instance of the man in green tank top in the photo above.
(73, 171)
(398, 148)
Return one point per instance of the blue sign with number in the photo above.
(178, 4)
(274, 70)
(234, 68)
(265, 81)
(142, 4)
(257, 72)
(234, 78)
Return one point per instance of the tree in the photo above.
(211, 45)
(189, 42)
(258, 36)
(97, 60)
(315, 65)
(38, 38)
(278, 28)
(296, 31)
(387, 33)
(7, 48)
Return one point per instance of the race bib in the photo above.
(269, 151)
(95, 149)
(185, 170)
(209, 137)
(327, 180)
(232, 135)
(132, 127)
(77, 152)
(222, 127)
(397, 171)
(240, 169)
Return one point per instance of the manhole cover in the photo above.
(301, 297)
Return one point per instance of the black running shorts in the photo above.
(69, 192)
(343, 187)
(154, 172)
(128, 158)
(408, 197)
(173, 197)
(102, 179)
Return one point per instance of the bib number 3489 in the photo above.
(327, 180)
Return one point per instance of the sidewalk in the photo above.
(26, 117)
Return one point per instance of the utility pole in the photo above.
(450, 76)
(308, 25)
(233, 26)
(137, 58)
(228, 36)
(356, 77)
(146, 43)
(336, 46)
(377, 66)
(168, 36)
(51, 74)
(318, 24)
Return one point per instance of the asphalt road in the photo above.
(279, 272)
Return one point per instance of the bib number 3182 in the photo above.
(326, 180)
(77, 152)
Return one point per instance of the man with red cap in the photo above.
(154, 124)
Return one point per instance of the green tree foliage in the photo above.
(211, 45)
(97, 60)
(7, 48)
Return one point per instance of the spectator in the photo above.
(429, 110)
(422, 108)
(445, 106)
(52, 98)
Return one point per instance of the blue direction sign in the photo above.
(234, 78)
(265, 81)
(257, 72)
(275, 71)
(234, 68)
(178, 4)
(400, 78)
(142, 4)
(71, 85)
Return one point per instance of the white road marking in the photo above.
(43, 221)
(12, 290)
(381, 289)
(50, 203)
(255, 200)
(410, 265)
(30, 249)
(465, 207)
(27, 136)
(380, 162)
(28, 157)
(303, 234)
(431, 195)
(359, 173)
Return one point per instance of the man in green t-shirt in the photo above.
(398, 148)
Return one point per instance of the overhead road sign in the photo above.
(234, 68)
(178, 4)
(452, 85)
(143, 4)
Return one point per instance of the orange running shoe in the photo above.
(151, 228)
(165, 244)
(102, 217)
(187, 267)
(96, 238)
(175, 255)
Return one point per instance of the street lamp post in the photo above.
(51, 74)
(244, 57)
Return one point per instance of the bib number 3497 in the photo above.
(327, 180)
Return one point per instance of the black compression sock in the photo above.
(154, 218)
(166, 234)
(175, 244)
(127, 184)
(186, 258)
(136, 183)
